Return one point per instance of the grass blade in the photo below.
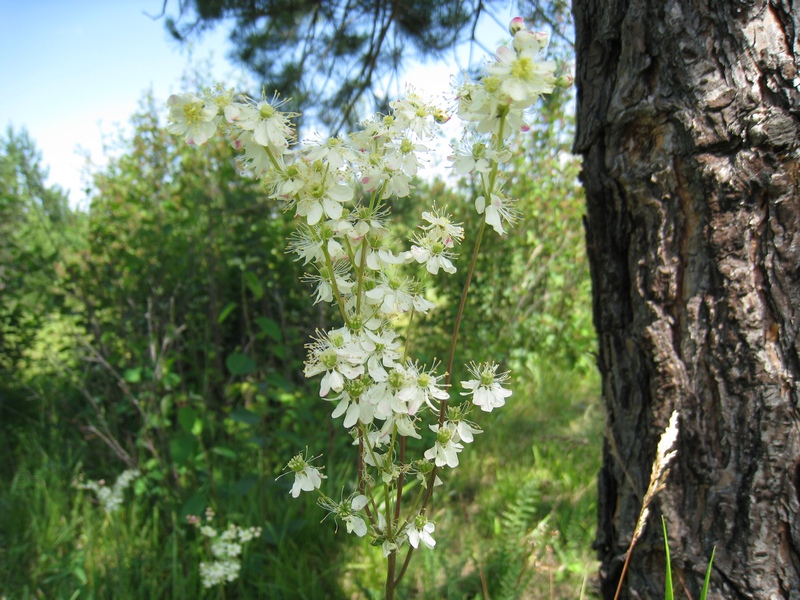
(704, 593)
(668, 594)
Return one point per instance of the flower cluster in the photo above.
(226, 548)
(342, 190)
(110, 497)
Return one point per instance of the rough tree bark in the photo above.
(689, 127)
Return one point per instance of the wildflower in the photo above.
(225, 548)
(306, 477)
(477, 158)
(110, 497)
(486, 389)
(192, 117)
(270, 127)
(421, 386)
(383, 348)
(448, 232)
(354, 403)
(420, 531)
(431, 250)
(395, 294)
(445, 450)
(499, 209)
(522, 78)
(321, 194)
(348, 511)
(338, 355)
(463, 430)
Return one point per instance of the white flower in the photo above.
(219, 571)
(270, 127)
(432, 251)
(522, 77)
(338, 355)
(497, 211)
(348, 511)
(334, 151)
(354, 405)
(394, 294)
(445, 450)
(486, 389)
(421, 387)
(383, 348)
(110, 497)
(420, 531)
(225, 548)
(306, 477)
(192, 117)
(463, 430)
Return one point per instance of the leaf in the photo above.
(195, 505)
(182, 448)
(171, 380)
(186, 417)
(704, 592)
(240, 364)
(242, 415)
(269, 327)
(668, 593)
(223, 451)
(226, 311)
(254, 284)
(133, 375)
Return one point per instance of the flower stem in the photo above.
(460, 314)
(391, 584)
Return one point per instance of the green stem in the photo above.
(460, 315)
(339, 300)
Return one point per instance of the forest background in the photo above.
(163, 329)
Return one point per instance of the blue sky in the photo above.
(75, 70)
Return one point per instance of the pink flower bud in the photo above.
(517, 24)
(564, 81)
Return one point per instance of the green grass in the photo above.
(515, 520)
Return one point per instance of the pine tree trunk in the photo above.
(688, 123)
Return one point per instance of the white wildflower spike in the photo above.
(341, 192)
(110, 497)
(226, 549)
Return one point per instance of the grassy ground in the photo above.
(516, 520)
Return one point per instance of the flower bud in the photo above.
(564, 81)
(517, 24)
(441, 116)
